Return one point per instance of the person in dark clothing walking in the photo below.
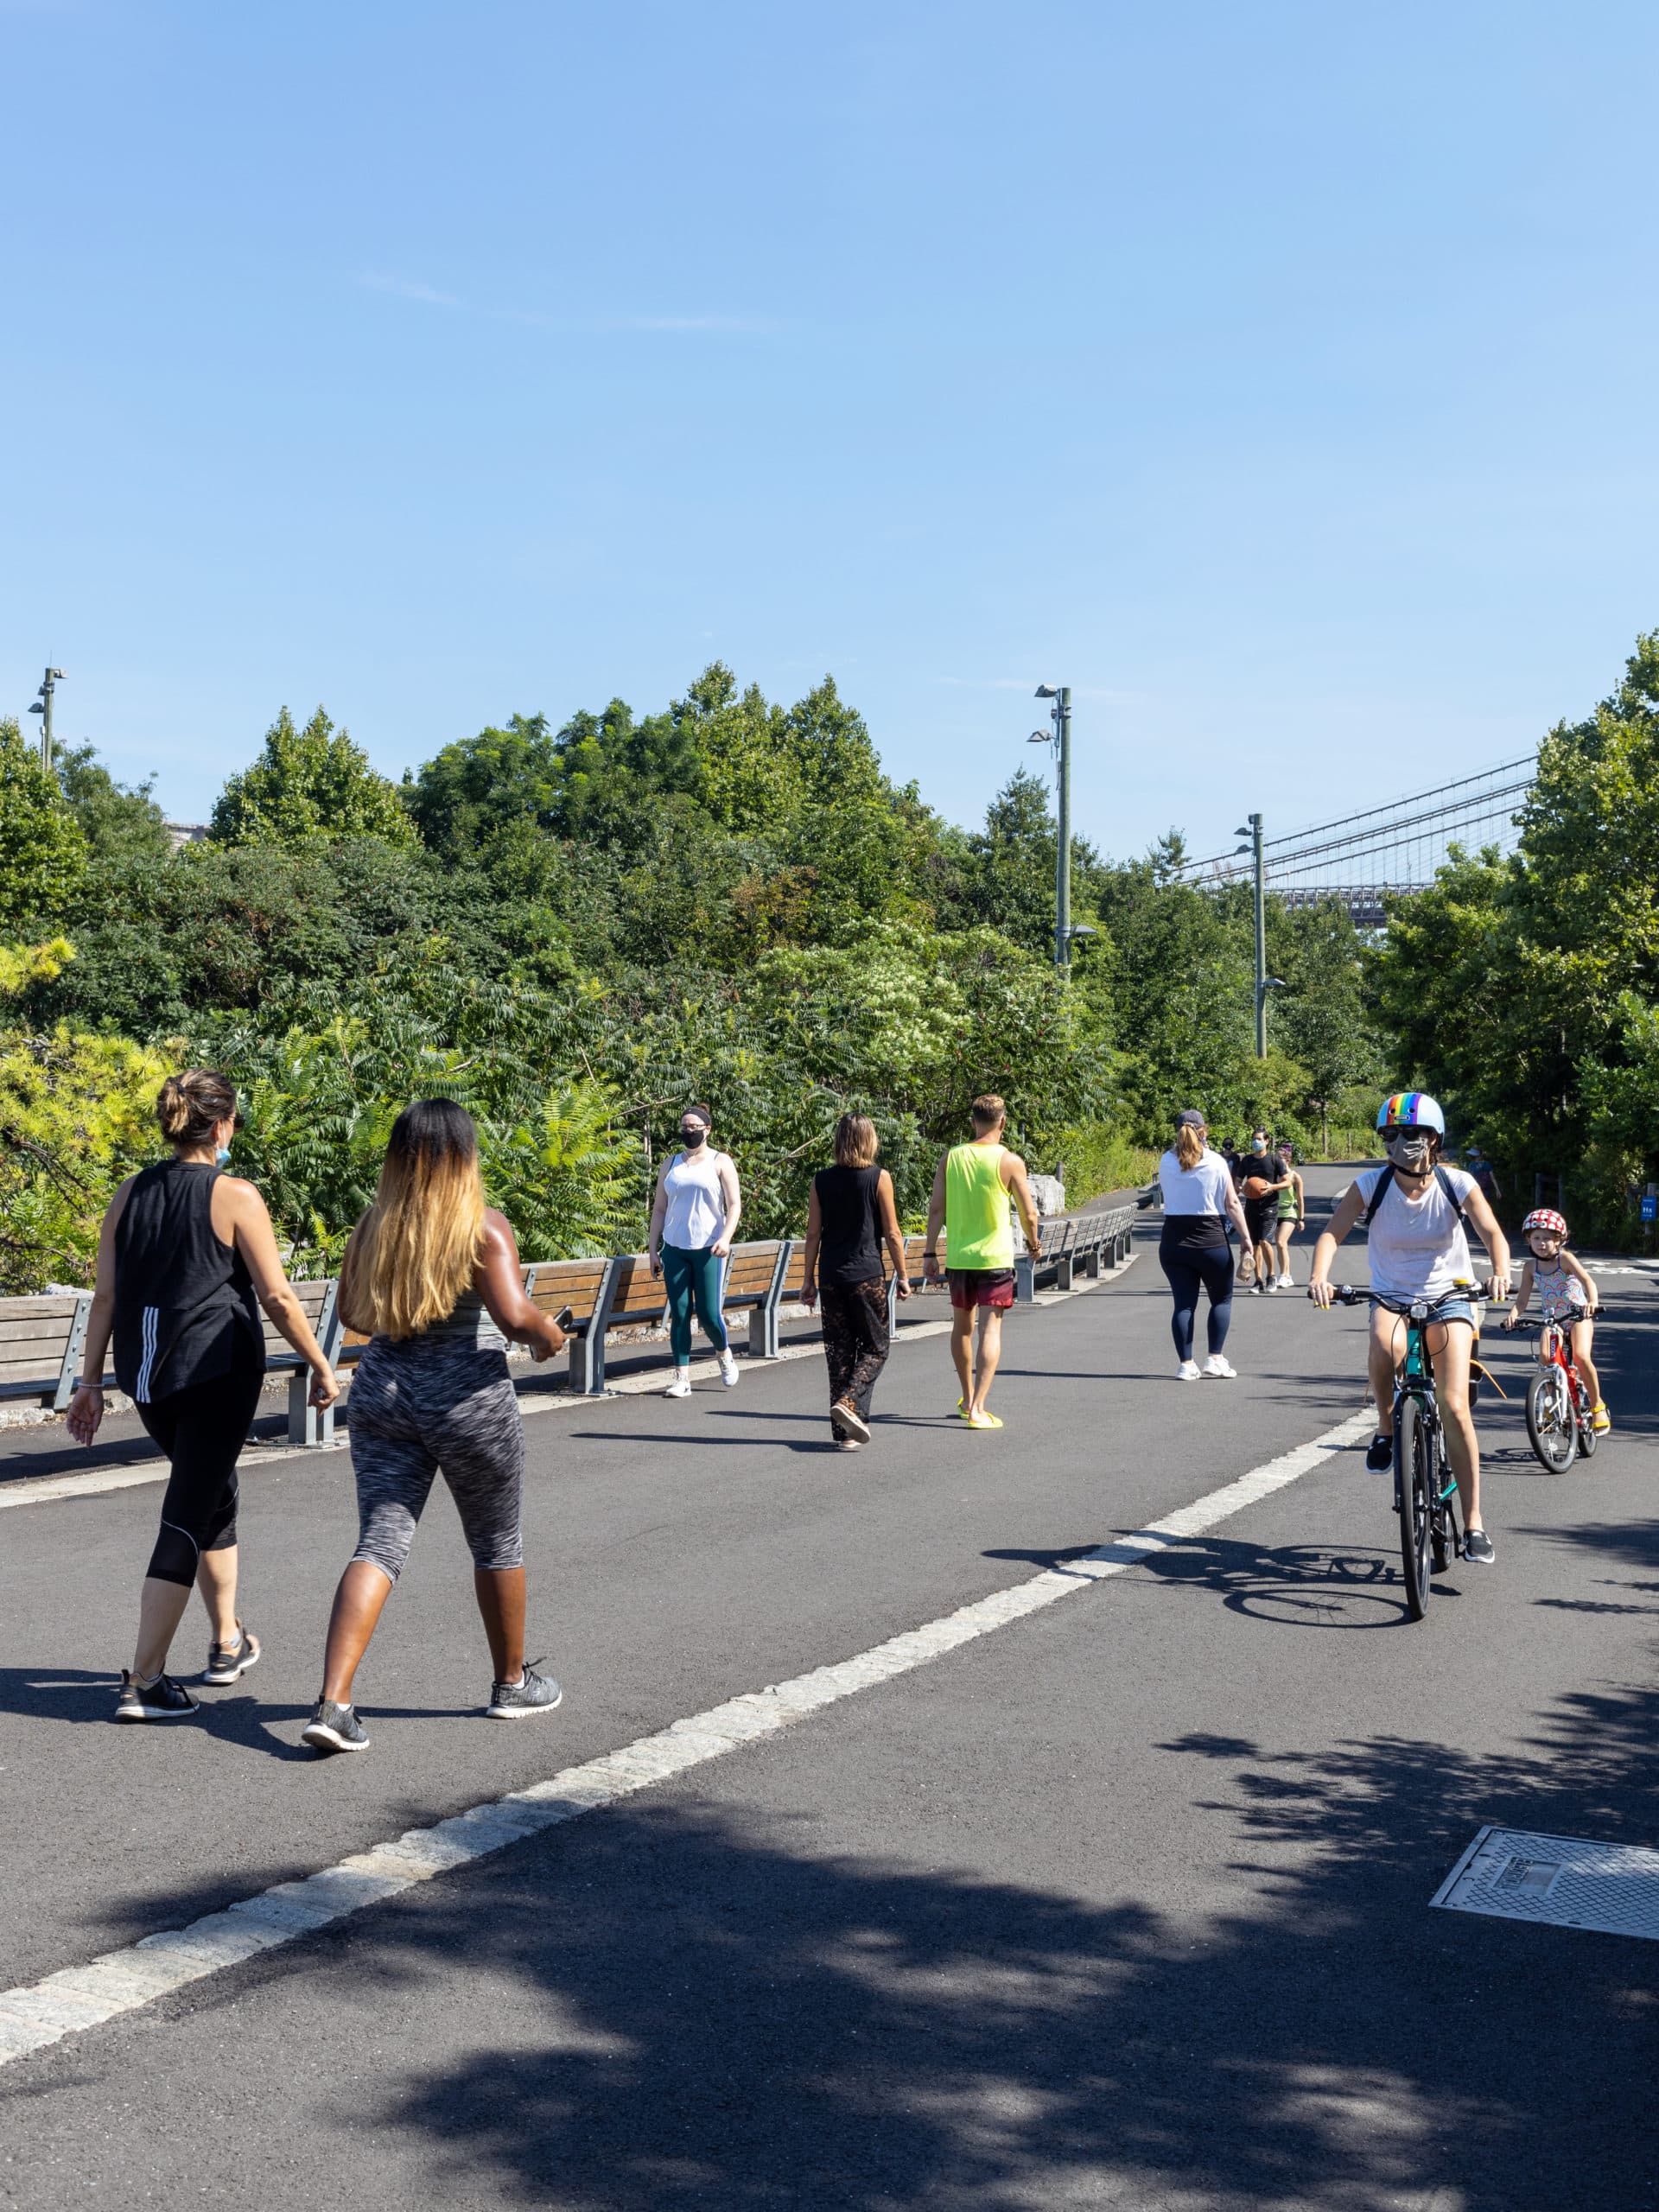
(186, 1258)
(850, 1216)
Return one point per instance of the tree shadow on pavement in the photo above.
(718, 2015)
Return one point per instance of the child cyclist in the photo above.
(1566, 1295)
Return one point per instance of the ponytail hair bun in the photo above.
(191, 1106)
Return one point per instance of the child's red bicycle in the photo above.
(1560, 1417)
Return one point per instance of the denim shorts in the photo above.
(1456, 1308)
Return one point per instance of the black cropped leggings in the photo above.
(1192, 1266)
(202, 1430)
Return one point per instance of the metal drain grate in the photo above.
(1561, 1880)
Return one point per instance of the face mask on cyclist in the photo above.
(1411, 1149)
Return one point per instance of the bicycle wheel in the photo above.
(1551, 1425)
(1414, 1456)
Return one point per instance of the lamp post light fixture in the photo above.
(1061, 713)
(43, 707)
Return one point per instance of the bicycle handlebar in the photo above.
(1346, 1294)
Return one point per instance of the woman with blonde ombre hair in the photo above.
(432, 1276)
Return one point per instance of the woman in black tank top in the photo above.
(186, 1258)
(850, 1215)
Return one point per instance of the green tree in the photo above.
(42, 851)
(307, 785)
(119, 821)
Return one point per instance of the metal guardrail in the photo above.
(41, 1339)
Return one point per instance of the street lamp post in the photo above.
(1264, 983)
(43, 707)
(1061, 715)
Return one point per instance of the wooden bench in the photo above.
(41, 1341)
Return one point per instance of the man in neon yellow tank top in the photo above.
(971, 1192)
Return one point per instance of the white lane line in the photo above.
(48, 1490)
(84, 1997)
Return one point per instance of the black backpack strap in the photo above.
(1452, 1199)
(1384, 1182)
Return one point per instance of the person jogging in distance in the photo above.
(1199, 1199)
(185, 1252)
(971, 1191)
(1292, 1205)
(1263, 1176)
(432, 1276)
(850, 1214)
(694, 1219)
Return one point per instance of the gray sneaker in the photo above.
(516, 1701)
(228, 1663)
(334, 1728)
(1478, 1548)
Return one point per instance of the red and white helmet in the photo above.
(1544, 1222)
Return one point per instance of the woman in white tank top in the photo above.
(693, 1220)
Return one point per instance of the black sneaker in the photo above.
(516, 1701)
(228, 1663)
(1379, 1456)
(162, 1700)
(334, 1728)
(1478, 1548)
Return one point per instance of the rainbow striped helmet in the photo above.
(1411, 1110)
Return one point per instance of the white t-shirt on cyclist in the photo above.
(1418, 1249)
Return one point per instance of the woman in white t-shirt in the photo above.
(693, 1220)
(1420, 1256)
(1199, 1199)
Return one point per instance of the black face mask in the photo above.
(693, 1137)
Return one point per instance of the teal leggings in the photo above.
(688, 1275)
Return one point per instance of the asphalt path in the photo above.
(1126, 1904)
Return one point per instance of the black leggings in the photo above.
(202, 1430)
(1190, 1267)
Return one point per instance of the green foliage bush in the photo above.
(574, 931)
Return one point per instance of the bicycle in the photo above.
(1561, 1420)
(1425, 1488)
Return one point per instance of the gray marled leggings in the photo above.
(426, 1407)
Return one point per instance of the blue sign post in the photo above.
(1650, 1205)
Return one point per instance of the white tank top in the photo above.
(696, 1206)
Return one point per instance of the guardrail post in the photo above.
(1091, 1257)
(72, 1352)
(588, 1350)
(763, 1319)
(305, 1425)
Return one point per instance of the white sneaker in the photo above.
(1287, 1282)
(1187, 1371)
(1218, 1367)
(681, 1386)
(729, 1369)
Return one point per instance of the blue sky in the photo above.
(1282, 377)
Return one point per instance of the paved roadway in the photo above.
(1125, 1903)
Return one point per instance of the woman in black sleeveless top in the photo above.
(186, 1259)
(850, 1215)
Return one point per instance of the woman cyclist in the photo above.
(1566, 1295)
(1414, 1210)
